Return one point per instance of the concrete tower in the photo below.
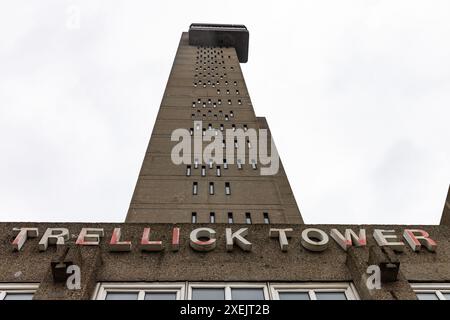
(205, 93)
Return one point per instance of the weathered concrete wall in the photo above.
(266, 262)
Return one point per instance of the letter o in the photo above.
(314, 245)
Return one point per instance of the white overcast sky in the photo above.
(357, 95)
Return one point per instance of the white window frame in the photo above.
(311, 288)
(141, 288)
(228, 286)
(436, 288)
(13, 288)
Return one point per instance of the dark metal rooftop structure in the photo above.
(225, 35)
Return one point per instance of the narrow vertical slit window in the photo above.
(227, 188)
(248, 218)
(203, 171)
(188, 171)
(211, 188)
(194, 217)
(196, 163)
(194, 188)
(218, 173)
(212, 217)
(225, 164)
(266, 218)
(230, 217)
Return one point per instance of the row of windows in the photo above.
(212, 103)
(221, 126)
(210, 127)
(212, 83)
(212, 75)
(227, 91)
(211, 63)
(205, 64)
(225, 291)
(218, 168)
(208, 55)
(211, 188)
(216, 116)
(230, 219)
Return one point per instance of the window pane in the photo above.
(331, 296)
(293, 295)
(247, 294)
(426, 296)
(160, 296)
(208, 294)
(19, 296)
(446, 295)
(122, 296)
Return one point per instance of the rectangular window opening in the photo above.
(248, 218)
(227, 188)
(194, 188)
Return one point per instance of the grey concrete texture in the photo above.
(265, 262)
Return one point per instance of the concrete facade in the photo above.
(163, 200)
(197, 91)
